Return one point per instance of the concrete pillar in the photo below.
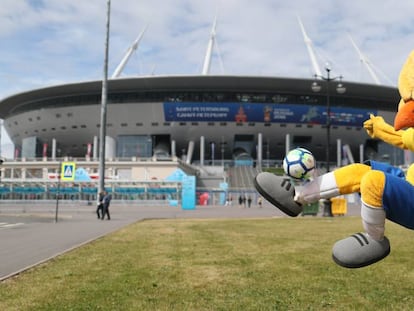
(54, 149)
(95, 147)
(190, 152)
(202, 150)
(338, 153)
(259, 149)
(287, 144)
(173, 149)
(361, 153)
(110, 145)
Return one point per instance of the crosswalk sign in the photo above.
(67, 171)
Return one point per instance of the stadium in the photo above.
(170, 115)
(219, 128)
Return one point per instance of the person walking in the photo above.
(106, 202)
(99, 208)
(240, 200)
(260, 201)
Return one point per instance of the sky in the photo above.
(50, 42)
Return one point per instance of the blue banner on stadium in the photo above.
(267, 113)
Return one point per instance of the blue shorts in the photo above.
(398, 201)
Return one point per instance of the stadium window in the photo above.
(38, 118)
(167, 123)
(154, 123)
(74, 127)
(83, 126)
(267, 124)
(223, 123)
(183, 123)
(298, 125)
(124, 124)
(211, 124)
(30, 119)
(70, 114)
(252, 124)
(109, 125)
(15, 123)
(43, 130)
(194, 123)
(36, 131)
(282, 125)
(58, 115)
(63, 127)
(139, 124)
(239, 124)
(53, 129)
(309, 126)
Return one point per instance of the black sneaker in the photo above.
(279, 191)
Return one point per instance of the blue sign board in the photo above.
(188, 192)
(260, 112)
(188, 188)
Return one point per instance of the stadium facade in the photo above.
(200, 118)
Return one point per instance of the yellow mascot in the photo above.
(386, 193)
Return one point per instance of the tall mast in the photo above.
(209, 52)
(309, 46)
(365, 61)
(128, 54)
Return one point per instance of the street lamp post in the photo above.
(102, 130)
(340, 89)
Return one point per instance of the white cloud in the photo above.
(58, 41)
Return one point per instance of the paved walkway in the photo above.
(30, 235)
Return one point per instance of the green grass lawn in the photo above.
(250, 264)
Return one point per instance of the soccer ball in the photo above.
(299, 164)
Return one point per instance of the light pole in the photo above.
(102, 132)
(340, 89)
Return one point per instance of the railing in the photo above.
(88, 191)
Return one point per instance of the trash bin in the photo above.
(339, 206)
(311, 209)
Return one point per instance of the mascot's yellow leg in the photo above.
(348, 178)
(372, 188)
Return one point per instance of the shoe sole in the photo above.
(286, 185)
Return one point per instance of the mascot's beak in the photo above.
(405, 115)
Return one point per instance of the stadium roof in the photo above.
(209, 83)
